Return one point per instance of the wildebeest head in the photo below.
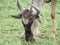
(28, 16)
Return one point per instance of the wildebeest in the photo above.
(30, 18)
(40, 4)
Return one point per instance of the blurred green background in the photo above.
(10, 28)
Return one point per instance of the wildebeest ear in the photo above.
(19, 16)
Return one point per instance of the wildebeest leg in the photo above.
(54, 32)
(43, 18)
(22, 35)
(34, 28)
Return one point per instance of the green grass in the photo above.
(10, 28)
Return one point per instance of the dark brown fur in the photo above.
(48, 1)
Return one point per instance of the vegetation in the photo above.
(10, 28)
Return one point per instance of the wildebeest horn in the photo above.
(35, 7)
(20, 7)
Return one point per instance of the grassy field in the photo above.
(10, 28)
